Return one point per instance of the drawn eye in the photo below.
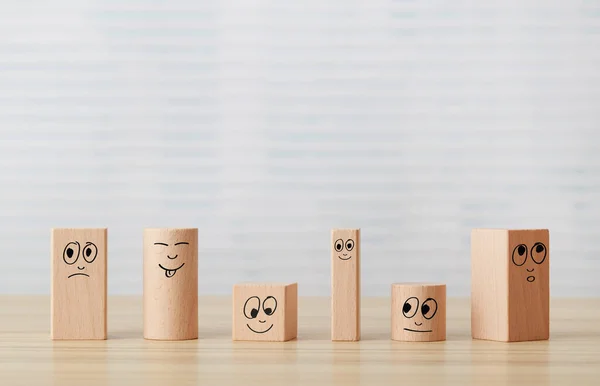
(251, 307)
(538, 253)
(269, 305)
(90, 251)
(71, 252)
(339, 245)
(429, 308)
(349, 244)
(519, 255)
(410, 307)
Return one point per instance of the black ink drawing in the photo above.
(170, 272)
(252, 311)
(339, 246)
(538, 255)
(428, 311)
(72, 252)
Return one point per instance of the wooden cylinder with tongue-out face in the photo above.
(171, 283)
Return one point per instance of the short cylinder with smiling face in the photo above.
(171, 283)
(418, 312)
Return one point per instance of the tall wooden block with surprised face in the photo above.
(171, 284)
(267, 312)
(345, 284)
(510, 279)
(78, 291)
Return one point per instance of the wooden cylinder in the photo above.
(171, 284)
(418, 312)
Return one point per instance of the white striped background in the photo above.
(266, 123)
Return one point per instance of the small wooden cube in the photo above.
(345, 284)
(265, 312)
(78, 290)
(510, 284)
(418, 312)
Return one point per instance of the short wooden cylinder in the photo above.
(418, 312)
(171, 284)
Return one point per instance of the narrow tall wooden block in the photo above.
(345, 284)
(171, 284)
(418, 312)
(265, 312)
(510, 284)
(78, 290)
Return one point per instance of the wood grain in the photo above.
(345, 284)
(510, 282)
(29, 357)
(171, 284)
(411, 322)
(265, 312)
(78, 289)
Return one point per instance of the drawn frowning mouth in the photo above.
(78, 274)
(171, 272)
(259, 332)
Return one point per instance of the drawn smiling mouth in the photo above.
(259, 332)
(408, 329)
(171, 272)
(78, 274)
(344, 258)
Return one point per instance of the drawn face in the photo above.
(173, 256)
(71, 256)
(529, 258)
(259, 313)
(418, 318)
(344, 248)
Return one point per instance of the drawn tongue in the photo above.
(170, 272)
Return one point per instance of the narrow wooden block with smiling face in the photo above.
(78, 299)
(510, 284)
(345, 284)
(267, 312)
(418, 312)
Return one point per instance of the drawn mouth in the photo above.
(344, 258)
(78, 274)
(530, 279)
(408, 329)
(171, 272)
(259, 332)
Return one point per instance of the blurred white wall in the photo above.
(266, 123)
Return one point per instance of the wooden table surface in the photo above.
(29, 357)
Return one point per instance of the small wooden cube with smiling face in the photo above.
(265, 312)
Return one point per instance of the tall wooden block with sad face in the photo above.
(78, 291)
(345, 284)
(510, 279)
(267, 312)
(171, 284)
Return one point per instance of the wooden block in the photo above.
(345, 284)
(418, 312)
(510, 284)
(78, 290)
(171, 284)
(265, 312)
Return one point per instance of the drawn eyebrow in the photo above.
(182, 243)
(166, 245)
